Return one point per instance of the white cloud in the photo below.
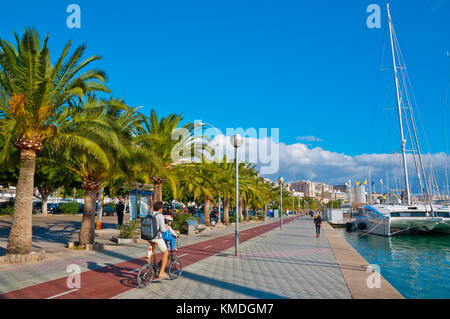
(299, 161)
(309, 138)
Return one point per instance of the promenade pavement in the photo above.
(291, 263)
(272, 263)
(52, 234)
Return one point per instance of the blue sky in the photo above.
(309, 68)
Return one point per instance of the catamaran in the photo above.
(390, 219)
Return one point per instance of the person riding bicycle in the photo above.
(169, 235)
(317, 223)
(158, 240)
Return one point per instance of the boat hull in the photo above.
(390, 226)
(443, 227)
(424, 224)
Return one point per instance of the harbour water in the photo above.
(418, 266)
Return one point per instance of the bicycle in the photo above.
(151, 269)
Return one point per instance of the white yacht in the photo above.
(444, 225)
(387, 220)
(390, 219)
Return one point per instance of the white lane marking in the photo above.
(183, 255)
(208, 247)
(63, 293)
(225, 241)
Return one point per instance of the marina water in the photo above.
(418, 266)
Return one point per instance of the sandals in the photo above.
(166, 276)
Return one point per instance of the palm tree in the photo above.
(225, 184)
(198, 179)
(167, 145)
(33, 95)
(108, 131)
(248, 186)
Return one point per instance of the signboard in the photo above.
(133, 206)
(275, 213)
(140, 203)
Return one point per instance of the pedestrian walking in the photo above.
(317, 223)
(120, 209)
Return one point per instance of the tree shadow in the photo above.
(127, 275)
(304, 262)
(232, 287)
(52, 232)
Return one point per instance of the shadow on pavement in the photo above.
(232, 287)
(126, 275)
(51, 232)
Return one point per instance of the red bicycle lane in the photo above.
(109, 281)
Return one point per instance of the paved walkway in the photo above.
(19, 277)
(291, 263)
(278, 264)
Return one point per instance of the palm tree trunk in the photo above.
(246, 211)
(20, 236)
(157, 194)
(45, 194)
(240, 208)
(226, 208)
(265, 211)
(45, 204)
(87, 231)
(206, 212)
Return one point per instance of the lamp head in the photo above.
(236, 140)
(281, 179)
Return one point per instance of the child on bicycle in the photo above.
(169, 235)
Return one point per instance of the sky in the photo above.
(313, 70)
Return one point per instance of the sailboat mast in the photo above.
(399, 109)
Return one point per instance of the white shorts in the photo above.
(160, 243)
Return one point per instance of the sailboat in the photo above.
(387, 219)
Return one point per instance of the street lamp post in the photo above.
(293, 200)
(220, 219)
(281, 181)
(236, 140)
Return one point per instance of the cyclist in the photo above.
(169, 235)
(159, 241)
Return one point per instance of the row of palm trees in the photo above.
(61, 116)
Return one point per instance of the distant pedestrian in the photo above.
(120, 209)
(317, 223)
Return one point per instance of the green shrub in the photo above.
(69, 208)
(260, 215)
(7, 210)
(132, 230)
(180, 221)
(233, 219)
